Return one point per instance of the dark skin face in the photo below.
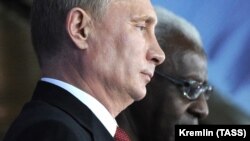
(165, 106)
(174, 107)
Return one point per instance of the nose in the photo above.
(155, 53)
(199, 108)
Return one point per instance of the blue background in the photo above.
(224, 26)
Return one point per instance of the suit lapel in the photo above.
(65, 101)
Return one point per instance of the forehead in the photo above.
(132, 8)
(183, 57)
(192, 60)
(191, 65)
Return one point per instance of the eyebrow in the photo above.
(146, 18)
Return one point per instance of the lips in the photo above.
(148, 74)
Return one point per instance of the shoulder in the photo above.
(42, 122)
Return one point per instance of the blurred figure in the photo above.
(178, 92)
(225, 31)
(96, 58)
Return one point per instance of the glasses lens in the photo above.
(208, 92)
(193, 92)
(191, 88)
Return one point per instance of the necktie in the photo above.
(121, 135)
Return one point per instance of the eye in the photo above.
(141, 27)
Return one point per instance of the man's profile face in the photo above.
(173, 107)
(126, 45)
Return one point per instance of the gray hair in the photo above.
(171, 27)
(169, 22)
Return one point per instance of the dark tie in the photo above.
(121, 135)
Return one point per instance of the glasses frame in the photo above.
(187, 85)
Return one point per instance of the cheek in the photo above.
(176, 102)
(134, 45)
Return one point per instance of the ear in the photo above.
(78, 25)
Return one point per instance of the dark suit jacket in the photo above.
(53, 114)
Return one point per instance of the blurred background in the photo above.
(224, 26)
(19, 69)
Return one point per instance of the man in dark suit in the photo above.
(178, 92)
(96, 57)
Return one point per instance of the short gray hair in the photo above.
(169, 22)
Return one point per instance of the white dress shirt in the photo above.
(94, 105)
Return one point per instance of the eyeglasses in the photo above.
(191, 89)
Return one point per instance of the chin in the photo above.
(138, 93)
(139, 96)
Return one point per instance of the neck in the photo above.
(86, 80)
